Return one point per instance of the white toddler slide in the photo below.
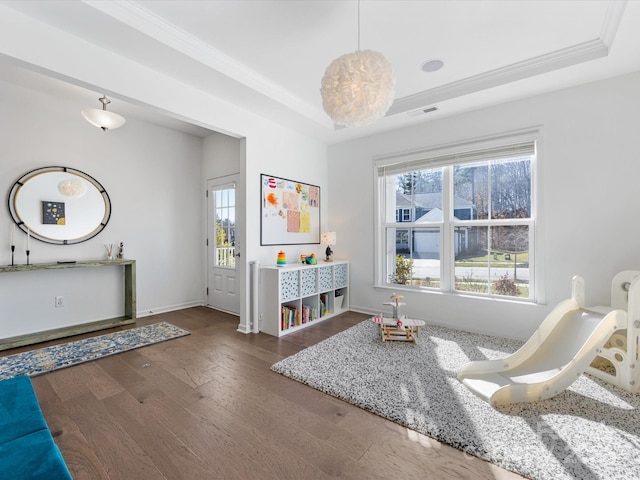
(565, 345)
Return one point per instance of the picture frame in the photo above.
(289, 211)
(53, 213)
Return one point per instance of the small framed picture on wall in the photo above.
(289, 213)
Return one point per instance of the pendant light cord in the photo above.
(358, 25)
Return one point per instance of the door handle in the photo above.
(237, 255)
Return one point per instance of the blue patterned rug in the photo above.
(55, 357)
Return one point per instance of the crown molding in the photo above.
(612, 21)
(573, 55)
(140, 19)
(518, 71)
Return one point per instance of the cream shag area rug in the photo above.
(590, 431)
(43, 360)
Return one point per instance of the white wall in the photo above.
(265, 147)
(151, 174)
(588, 175)
(221, 156)
(274, 150)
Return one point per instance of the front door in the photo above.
(223, 248)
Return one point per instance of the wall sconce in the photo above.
(329, 239)
(102, 118)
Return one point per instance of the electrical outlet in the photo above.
(59, 302)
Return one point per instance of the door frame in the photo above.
(212, 183)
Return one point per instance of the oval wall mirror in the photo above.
(59, 205)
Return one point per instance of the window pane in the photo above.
(398, 265)
(425, 253)
(403, 197)
(418, 196)
(511, 189)
(471, 191)
(399, 262)
(427, 195)
(510, 256)
(414, 256)
(402, 242)
(471, 267)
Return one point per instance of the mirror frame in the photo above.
(15, 189)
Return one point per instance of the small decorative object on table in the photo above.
(328, 239)
(109, 249)
(13, 244)
(282, 259)
(303, 258)
(311, 259)
(121, 252)
(28, 242)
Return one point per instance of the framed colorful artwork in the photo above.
(53, 213)
(289, 213)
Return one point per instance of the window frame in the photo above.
(403, 162)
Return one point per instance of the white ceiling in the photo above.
(268, 56)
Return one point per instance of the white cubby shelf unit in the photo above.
(293, 297)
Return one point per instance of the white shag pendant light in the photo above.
(102, 118)
(358, 88)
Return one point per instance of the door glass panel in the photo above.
(225, 226)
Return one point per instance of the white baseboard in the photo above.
(181, 306)
(168, 308)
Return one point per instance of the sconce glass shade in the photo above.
(102, 118)
(358, 88)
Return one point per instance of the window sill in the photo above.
(419, 291)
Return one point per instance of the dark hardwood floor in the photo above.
(207, 406)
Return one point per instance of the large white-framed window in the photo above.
(472, 219)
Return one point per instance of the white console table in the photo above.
(129, 302)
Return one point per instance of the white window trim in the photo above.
(536, 255)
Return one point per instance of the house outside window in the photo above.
(470, 224)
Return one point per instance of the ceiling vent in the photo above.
(422, 111)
